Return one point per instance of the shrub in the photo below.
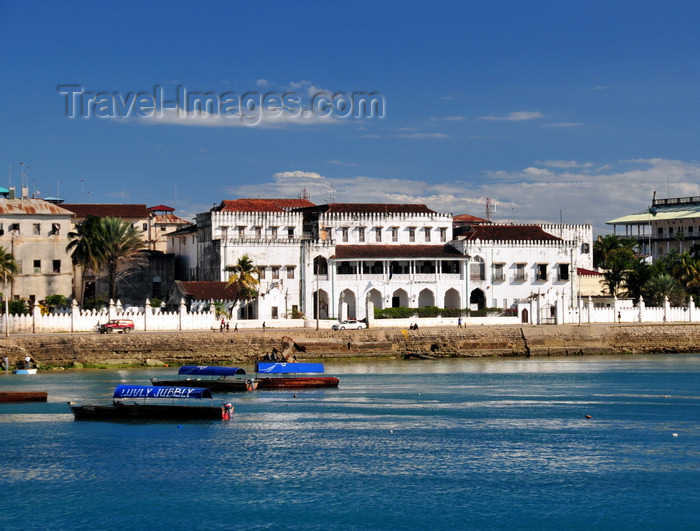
(18, 307)
(96, 304)
(53, 301)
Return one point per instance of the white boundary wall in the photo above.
(620, 311)
(152, 319)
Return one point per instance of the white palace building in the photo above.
(343, 259)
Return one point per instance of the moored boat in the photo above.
(156, 403)
(24, 371)
(292, 375)
(216, 379)
(23, 396)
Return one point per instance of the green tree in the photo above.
(8, 267)
(109, 247)
(636, 277)
(119, 250)
(661, 286)
(687, 271)
(618, 263)
(245, 278)
(605, 245)
(84, 246)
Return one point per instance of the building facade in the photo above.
(671, 224)
(341, 260)
(35, 232)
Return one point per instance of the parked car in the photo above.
(118, 325)
(350, 324)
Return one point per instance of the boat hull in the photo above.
(23, 396)
(297, 382)
(120, 411)
(215, 386)
(24, 371)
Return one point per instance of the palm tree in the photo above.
(661, 286)
(84, 245)
(109, 247)
(636, 277)
(119, 250)
(687, 271)
(245, 278)
(8, 267)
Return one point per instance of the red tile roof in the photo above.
(161, 208)
(36, 207)
(82, 210)
(204, 291)
(395, 251)
(580, 271)
(466, 218)
(170, 219)
(262, 205)
(509, 233)
(351, 208)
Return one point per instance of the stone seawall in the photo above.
(203, 348)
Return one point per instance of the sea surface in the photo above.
(424, 445)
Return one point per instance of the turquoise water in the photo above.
(458, 444)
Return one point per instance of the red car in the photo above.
(118, 325)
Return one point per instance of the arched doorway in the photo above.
(525, 316)
(347, 297)
(452, 298)
(478, 299)
(426, 298)
(399, 299)
(376, 298)
(322, 305)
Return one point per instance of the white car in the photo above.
(350, 324)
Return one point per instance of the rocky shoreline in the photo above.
(179, 348)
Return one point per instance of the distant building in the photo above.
(199, 295)
(153, 224)
(332, 260)
(667, 225)
(35, 232)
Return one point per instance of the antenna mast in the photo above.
(490, 209)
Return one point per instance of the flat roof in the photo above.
(663, 213)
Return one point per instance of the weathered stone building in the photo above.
(35, 233)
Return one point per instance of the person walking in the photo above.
(459, 322)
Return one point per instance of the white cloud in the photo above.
(299, 175)
(516, 116)
(262, 83)
(341, 163)
(447, 118)
(565, 164)
(422, 135)
(565, 124)
(257, 118)
(578, 193)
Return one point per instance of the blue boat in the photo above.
(276, 375)
(148, 402)
(216, 379)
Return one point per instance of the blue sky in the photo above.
(552, 109)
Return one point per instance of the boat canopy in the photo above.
(288, 368)
(209, 370)
(147, 391)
